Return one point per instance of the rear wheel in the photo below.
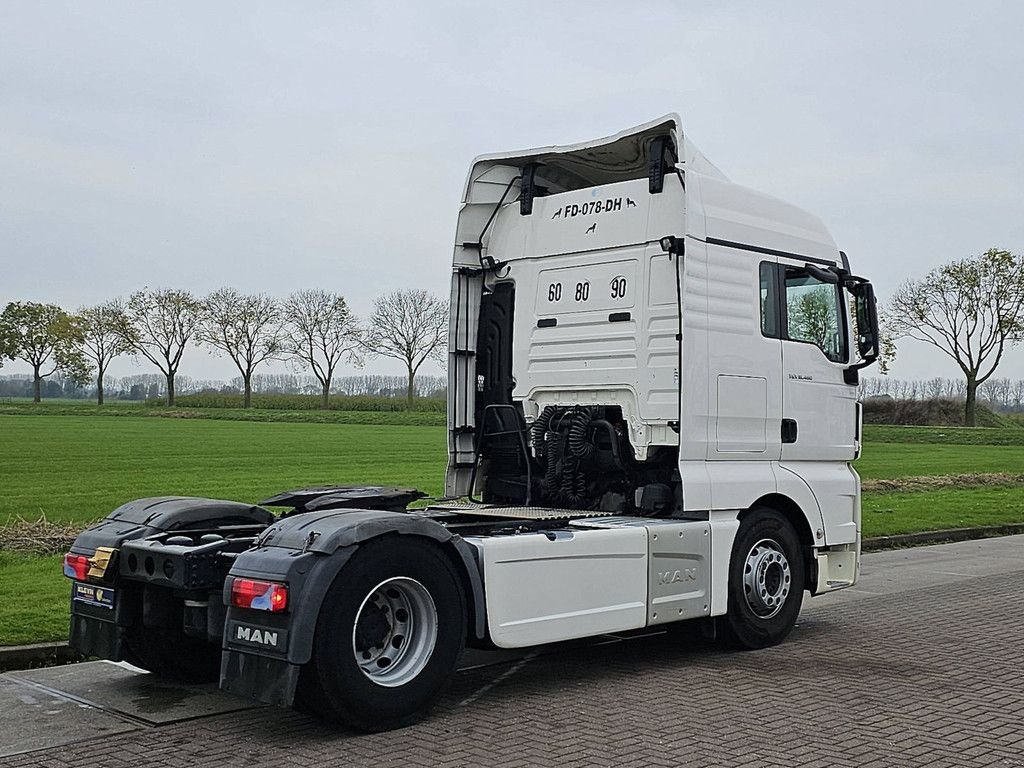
(766, 581)
(390, 632)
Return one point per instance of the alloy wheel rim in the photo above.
(395, 631)
(766, 578)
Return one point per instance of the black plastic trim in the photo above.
(661, 156)
(527, 189)
(767, 251)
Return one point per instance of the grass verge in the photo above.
(885, 514)
(892, 460)
(35, 599)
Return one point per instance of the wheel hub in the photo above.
(766, 578)
(395, 631)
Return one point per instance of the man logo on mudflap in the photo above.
(256, 635)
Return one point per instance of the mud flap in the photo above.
(93, 637)
(265, 679)
(98, 630)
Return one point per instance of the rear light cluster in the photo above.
(76, 566)
(259, 595)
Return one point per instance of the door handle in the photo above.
(789, 430)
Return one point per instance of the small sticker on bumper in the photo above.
(93, 595)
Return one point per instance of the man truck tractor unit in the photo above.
(652, 410)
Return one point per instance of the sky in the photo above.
(280, 146)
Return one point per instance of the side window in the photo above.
(770, 316)
(814, 313)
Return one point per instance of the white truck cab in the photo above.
(634, 336)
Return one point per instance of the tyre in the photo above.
(173, 655)
(390, 632)
(766, 582)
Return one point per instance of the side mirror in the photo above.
(866, 312)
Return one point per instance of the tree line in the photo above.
(971, 309)
(1000, 394)
(153, 386)
(313, 330)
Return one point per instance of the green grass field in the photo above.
(366, 416)
(35, 603)
(78, 467)
(885, 460)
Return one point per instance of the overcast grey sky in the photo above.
(273, 147)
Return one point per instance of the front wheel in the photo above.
(766, 581)
(390, 632)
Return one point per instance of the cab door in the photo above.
(744, 359)
(819, 409)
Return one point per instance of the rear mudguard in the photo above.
(263, 652)
(144, 517)
(99, 631)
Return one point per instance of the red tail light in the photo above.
(76, 566)
(259, 595)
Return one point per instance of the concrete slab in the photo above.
(36, 718)
(132, 693)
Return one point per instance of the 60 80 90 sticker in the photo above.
(588, 287)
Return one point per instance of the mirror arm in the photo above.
(863, 363)
(823, 275)
(852, 281)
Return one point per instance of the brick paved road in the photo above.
(924, 677)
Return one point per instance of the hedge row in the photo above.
(936, 412)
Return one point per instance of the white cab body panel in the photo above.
(581, 583)
(606, 574)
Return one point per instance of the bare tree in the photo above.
(1018, 395)
(321, 332)
(997, 392)
(970, 310)
(933, 388)
(45, 337)
(159, 324)
(102, 339)
(247, 328)
(409, 325)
